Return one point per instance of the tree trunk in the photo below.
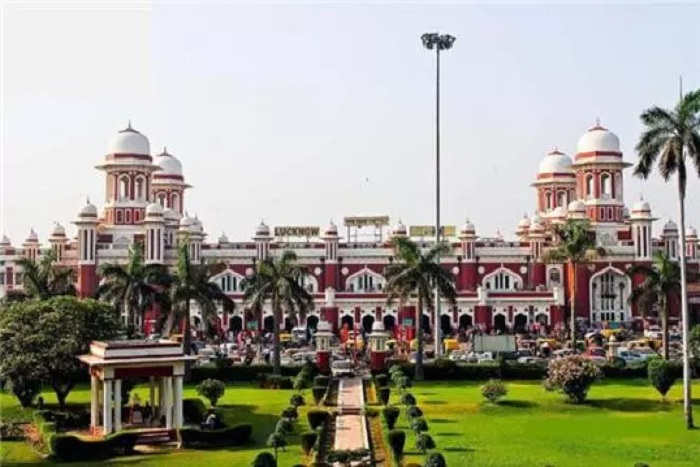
(62, 389)
(572, 322)
(187, 339)
(419, 336)
(687, 389)
(276, 338)
(664, 327)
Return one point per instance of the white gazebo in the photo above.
(111, 362)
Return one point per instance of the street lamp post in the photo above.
(439, 42)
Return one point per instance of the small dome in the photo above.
(89, 210)
(535, 220)
(32, 237)
(641, 206)
(171, 215)
(577, 206)
(5, 241)
(558, 212)
(524, 223)
(690, 232)
(197, 226)
(130, 141)
(154, 210)
(556, 162)
(400, 229)
(262, 230)
(223, 239)
(377, 326)
(332, 229)
(186, 222)
(536, 224)
(670, 227)
(467, 228)
(58, 230)
(169, 165)
(598, 139)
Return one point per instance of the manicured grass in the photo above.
(623, 423)
(242, 403)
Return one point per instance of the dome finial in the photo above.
(165, 149)
(597, 121)
(87, 199)
(128, 127)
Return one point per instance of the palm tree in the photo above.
(418, 275)
(670, 140)
(44, 279)
(192, 283)
(662, 280)
(278, 280)
(575, 245)
(134, 287)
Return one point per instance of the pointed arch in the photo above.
(609, 291)
(502, 279)
(365, 280)
(229, 281)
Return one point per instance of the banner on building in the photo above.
(424, 231)
(363, 221)
(297, 231)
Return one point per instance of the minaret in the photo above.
(691, 244)
(670, 236)
(523, 228)
(87, 250)
(468, 269)
(58, 241)
(31, 246)
(640, 220)
(262, 241)
(331, 239)
(154, 224)
(555, 183)
(196, 239)
(168, 187)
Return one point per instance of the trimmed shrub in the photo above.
(435, 459)
(70, 448)
(264, 459)
(321, 380)
(661, 375)
(193, 411)
(403, 383)
(318, 392)
(382, 380)
(573, 376)
(296, 400)
(308, 440)
(424, 442)
(419, 425)
(284, 426)
(414, 411)
(317, 418)
(407, 399)
(237, 435)
(397, 441)
(290, 413)
(212, 390)
(385, 395)
(391, 414)
(370, 412)
(494, 390)
(276, 441)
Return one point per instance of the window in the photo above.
(175, 202)
(589, 185)
(161, 200)
(308, 282)
(366, 282)
(2, 278)
(119, 216)
(124, 187)
(140, 188)
(606, 186)
(610, 297)
(19, 278)
(503, 281)
(561, 199)
(548, 200)
(229, 283)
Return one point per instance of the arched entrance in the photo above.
(499, 322)
(465, 321)
(445, 325)
(236, 324)
(389, 323)
(288, 324)
(520, 323)
(312, 322)
(347, 319)
(425, 324)
(268, 324)
(367, 322)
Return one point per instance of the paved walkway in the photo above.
(350, 430)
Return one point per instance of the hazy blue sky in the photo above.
(298, 113)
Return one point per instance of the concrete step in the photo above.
(157, 437)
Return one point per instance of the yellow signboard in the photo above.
(424, 231)
(298, 231)
(362, 221)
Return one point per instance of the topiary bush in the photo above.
(407, 399)
(290, 413)
(317, 418)
(382, 380)
(424, 442)
(385, 395)
(237, 435)
(419, 425)
(435, 459)
(284, 426)
(212, 390)
(70, 448)
(308, 440)
(403, 383)
(264, 459)
(397, 441)
(296, 400)
(573, 376)
(391, 414)
(321, 380)
(661, 375)
(494, 390)
(318, 392)
(193, 411)
(414, 411)
(276, 441)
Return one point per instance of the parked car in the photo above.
(532, 360)
(342, 368)
(653, 332)
(631, 358)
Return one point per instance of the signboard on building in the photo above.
(363, 221)
(505, 343)
(297, 231)
(423, 231)
(407, 322)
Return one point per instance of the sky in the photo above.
(298, 113)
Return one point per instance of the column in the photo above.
(177, 389)
(107, 407)
(152, 395)
(94, 402)
(117, 405)
(168, 406)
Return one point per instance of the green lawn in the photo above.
(623, 423)
(240, 404)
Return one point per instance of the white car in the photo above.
(532, 360)
(653, 332)
(631, 358)
(646, 354)
(342, 368)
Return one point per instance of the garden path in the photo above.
(350, 431)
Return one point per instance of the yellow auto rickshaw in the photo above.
(450, 345)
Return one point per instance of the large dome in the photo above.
(169, 165)
(556, 162)
(598, 139)
(130, 141)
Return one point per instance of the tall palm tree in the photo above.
(417, 275)
(44, 279)
(662, 280)
(671, 139)
(575, 245)
(279, 281)
(134, 287)
(192, 283)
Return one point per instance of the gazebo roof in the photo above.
(134, 352)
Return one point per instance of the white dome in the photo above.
(169, 164)
(89, 210)
(262, 230)
(641, 206)
(468, 227)
(58, 230)
(332, 229)
(556, 162)
(196, 226)
(32, 237)
(130, 141)
(154, 210)
(223, 239)
(535, 220)
(377, 326)
(559, 211)
(670, 226)
(400, 229)
(598, 139)
(171, 215)
(524, 222)
(691, 232)
(5, 241)
(577, 206)
(186, 222)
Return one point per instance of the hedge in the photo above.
(71, 448)
(238, 373)
(193, 411)
(236, 435)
